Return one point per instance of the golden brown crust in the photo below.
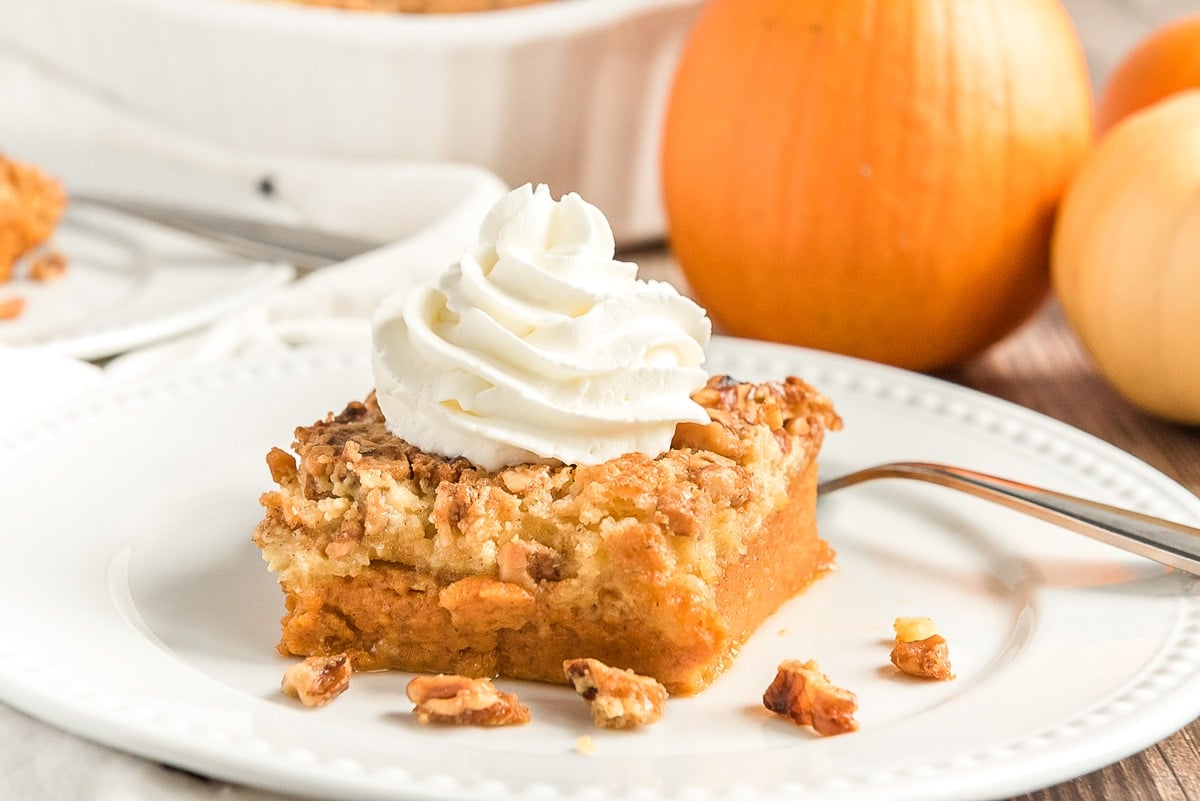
(31, 204)
(412, 561)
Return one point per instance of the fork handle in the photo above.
(1164, 541)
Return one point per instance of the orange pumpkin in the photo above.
(873, 178)
(1165, 62)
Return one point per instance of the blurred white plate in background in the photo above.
(130, 284)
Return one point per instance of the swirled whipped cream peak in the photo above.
(539, 345)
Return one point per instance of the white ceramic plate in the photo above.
(130, 284)
(147, 621)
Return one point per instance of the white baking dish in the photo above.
(569, 92)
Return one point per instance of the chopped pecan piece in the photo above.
(282, 466)
(318, 679)
(462, 700)
(804, 694)
(527, 563)
(925, 659)
(619, 699)
(920, 651)
(717, 436)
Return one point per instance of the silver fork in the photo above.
(305, 248)
(1164, 541)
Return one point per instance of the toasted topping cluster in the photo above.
(459, 700)
(920, 651)
(354, 494)
(619, 699)
(789, 408)
(318, 679)
(804, 694)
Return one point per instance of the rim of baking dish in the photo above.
(506, 26)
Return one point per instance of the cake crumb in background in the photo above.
(585, 745)
(43, 267)
(920, 651)
(11, 307)
(31, 204)
(50, 265)
(804, 695)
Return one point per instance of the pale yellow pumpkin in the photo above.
(1126, 257)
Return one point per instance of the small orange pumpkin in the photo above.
(1165, 62)
(873, 178)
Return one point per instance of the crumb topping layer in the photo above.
(354, 494)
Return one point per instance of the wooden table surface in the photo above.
(1043, 367)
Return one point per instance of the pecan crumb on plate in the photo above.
(919, 650)
(802, 693)
(460, 700)
(619, 699)
(318, 679)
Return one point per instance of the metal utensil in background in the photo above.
(305, 248)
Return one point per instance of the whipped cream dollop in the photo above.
(539, 345)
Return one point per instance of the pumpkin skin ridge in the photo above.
(757, 280)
